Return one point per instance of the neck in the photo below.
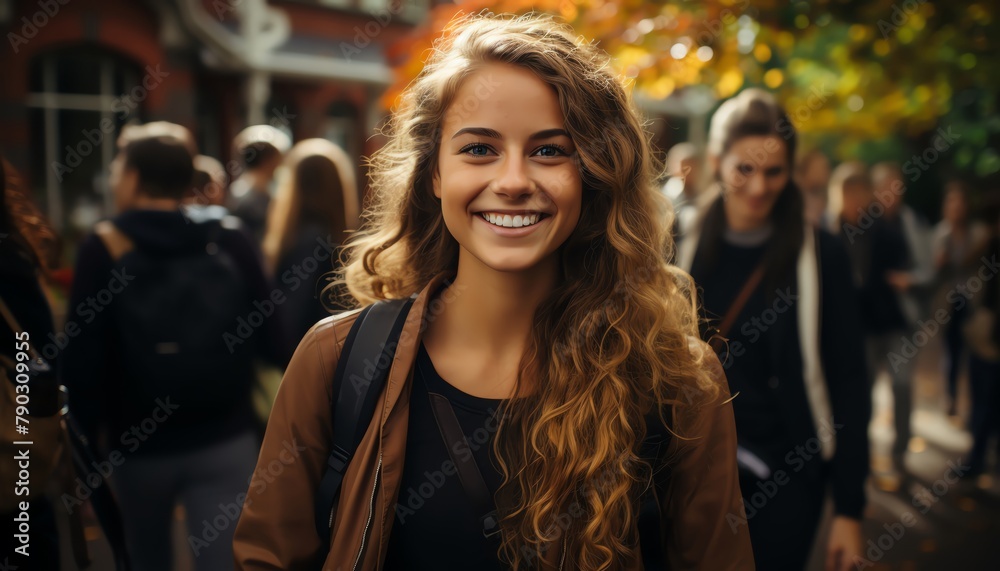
(491, 312)
(739, 223)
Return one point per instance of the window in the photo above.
(79, 101)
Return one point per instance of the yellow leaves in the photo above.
(773, 78)
(729, 83)
(762, 52)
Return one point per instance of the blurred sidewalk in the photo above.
(926, 521)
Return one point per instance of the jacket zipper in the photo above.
(371, 512)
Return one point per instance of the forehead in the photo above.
(506, 98)
(761, 150)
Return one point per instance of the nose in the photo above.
(755, 183)
(513, 181)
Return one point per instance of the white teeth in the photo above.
(508, 221)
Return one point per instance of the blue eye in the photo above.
(551, 151)
(475, 149)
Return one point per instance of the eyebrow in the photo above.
(493, 134)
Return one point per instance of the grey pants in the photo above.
(890, 352)
(207, 482)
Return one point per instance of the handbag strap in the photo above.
(737, 306)
(468, 470)
(78, 541)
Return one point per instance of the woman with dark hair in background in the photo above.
(27, 246)
(315, 205)
(781, 293)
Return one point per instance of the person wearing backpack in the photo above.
(159, 361)
(526, 371)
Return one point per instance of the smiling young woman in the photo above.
(516, 198)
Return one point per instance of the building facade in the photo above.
(76, 71)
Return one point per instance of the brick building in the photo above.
(76, 71)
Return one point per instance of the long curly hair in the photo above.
(612, 341)
(23, 226)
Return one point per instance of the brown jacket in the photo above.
(700, 505)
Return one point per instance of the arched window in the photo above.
(80, 98)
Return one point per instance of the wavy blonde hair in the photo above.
(316, 180)
(611, 343)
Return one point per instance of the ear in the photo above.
(127, 189)
(436, 183)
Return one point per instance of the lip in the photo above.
(511, 232)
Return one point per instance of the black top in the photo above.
(304, 271)
(91, 361)
(772, 410)
(747, 359)
(436, 527)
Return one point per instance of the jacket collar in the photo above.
(409, 339)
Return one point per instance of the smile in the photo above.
(505, 220)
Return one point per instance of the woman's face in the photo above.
(507, 175)
(954, 209)
(753, 171)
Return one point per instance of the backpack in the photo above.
(171, 321)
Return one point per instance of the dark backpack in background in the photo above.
(171, 319)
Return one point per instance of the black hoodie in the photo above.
(91, 364)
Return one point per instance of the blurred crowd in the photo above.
(246, 252)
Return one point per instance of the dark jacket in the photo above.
(842, 356)
(276, 529)
(92, 370)
(873, 252)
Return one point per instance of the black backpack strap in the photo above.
(357, 383)
(468, 470)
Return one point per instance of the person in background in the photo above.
(876, 250)
(681, 187)
(812, 174)
(315, 206)
(261, 149)
(27, 247)
(210, 180)
(957, 243)
(780, 291)
(161, 371)
(887, 180)
(984, 362)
